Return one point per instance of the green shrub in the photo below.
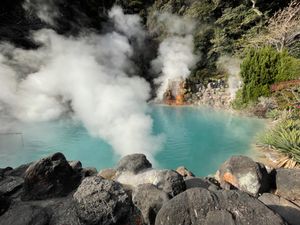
(285, 137)
(263, 67)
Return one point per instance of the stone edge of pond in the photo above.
(55, 191)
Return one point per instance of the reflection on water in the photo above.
(199, 138)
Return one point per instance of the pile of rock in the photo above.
(55, 191)
(214, 94)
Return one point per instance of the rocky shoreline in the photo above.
(54, 191)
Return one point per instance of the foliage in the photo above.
(283, 29)
(285, 137)
(262, 68)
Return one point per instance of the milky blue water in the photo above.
(198, 138)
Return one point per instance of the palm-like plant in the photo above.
(285, 137)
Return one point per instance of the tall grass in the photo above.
(285, 137)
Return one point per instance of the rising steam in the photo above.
(93, 77)
(90, 76)
(176, 55)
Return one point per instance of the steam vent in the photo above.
(174, 95)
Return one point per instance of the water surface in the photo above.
(198, 138)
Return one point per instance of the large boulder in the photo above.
(288, 183)
(167, 180)
(133, 163)
(244, 174)
(50, 177)
(287, 210)
(25, 214)
(100, 201)
(200, 206)
(149, 199)
(10, 184)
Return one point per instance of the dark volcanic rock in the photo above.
(50, 177)
(149, 199)
(4, 203)
(19, 171)
(288, 183)
(207, 183)
(244, 174)
(25, 214)
(200, 206)
(133, 163)
(287, 210)
(100, 201)
(63, 212)
(11, 184)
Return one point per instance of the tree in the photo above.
(283, 29)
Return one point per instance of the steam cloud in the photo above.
(176, 55)
(92, 75)
(232, 67)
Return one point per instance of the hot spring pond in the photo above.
(198, 138)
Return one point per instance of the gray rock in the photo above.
(288, 183)
(200, 206)
(107, 173)
(50, 177)
(149, 199)
(63, 212)
(206, 183)
(89, 171)
(244, 174)
(287, 210)
(100, 201)
(167, 180)
(10, 184)
(184, 172)
(76, 165)
(25, 214)
(133, 163)
(19, 171)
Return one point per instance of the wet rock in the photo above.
(149, 199)
(206, 183)
(19, 171)
(25, 214)
(184, 172)
(167, 180)
(288, 183)
(49, 177)
(107, 173)
(133, 163)
(89, 171)
(200, 206)
(100, 201)
(4, 203)
(3, 171)
(287, 210)
(10, 184)
(244, 174)
(76, 165)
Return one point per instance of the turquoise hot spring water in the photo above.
(198, 138)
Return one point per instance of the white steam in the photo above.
(92, 76)
(232, 67)
(47, 11)
(176, 55)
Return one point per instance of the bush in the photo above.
(263, 67)
(285, 137)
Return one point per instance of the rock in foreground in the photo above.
(200, 206)
(100, 201)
